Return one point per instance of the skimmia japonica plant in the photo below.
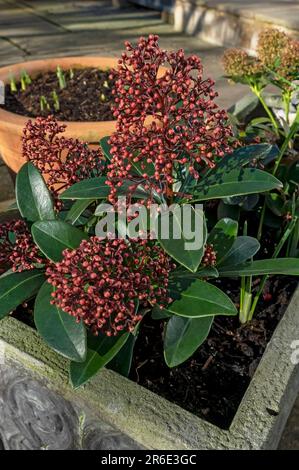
(174, 154)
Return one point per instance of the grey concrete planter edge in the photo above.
(156, 423)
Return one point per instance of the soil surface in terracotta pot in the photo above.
(87, 96)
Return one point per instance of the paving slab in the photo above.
(278, 12)
(236, 22)
(10, 53)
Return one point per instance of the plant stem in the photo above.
(258, 93)
(293, 130)
(261, 223)
(277, 250)
(293, 242)
(245, 294)
(286, 96)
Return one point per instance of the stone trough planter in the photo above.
(39, 409)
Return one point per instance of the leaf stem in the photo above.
(293, 130)
(256, 90)
(277, 250)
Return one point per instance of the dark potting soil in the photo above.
(212, 382)
(86, 97)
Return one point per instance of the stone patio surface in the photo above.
(34, 29)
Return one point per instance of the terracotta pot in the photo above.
(11, 124)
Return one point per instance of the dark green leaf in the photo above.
(183, 337)
(206, 271)
(182, 248)
(242, 250)
(54, 236)
(200, 299)
(15, 288)
(77, 209)
(160, 313)
(92, 188)
(33, 197)
(101, 350)
(222, 237)
(122, 362)
(234, 183)
(59, 329)
(96, 188)
(288, 266)
(244, 155)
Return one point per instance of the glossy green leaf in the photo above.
(33, 197)
(96, 188)
(54, 236)
(203, 272)
(222, 237)
(15, 288)
(183, 336)
(288, 266)
(160, 313)
(242, 250)
(100, 351)
(264, 153)
(59, 329)
(122, 362)
(77, 209)
(185, 249)
(92, 188)
(200, 299)
(234, 183)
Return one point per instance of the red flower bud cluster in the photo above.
(101, 281)
(210, 256)
(165, 121)
(62, 161)
(17, 249)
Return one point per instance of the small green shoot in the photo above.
(13, 85)
(61, 77)
(25, 80)
(56, 103)
(44, 105)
